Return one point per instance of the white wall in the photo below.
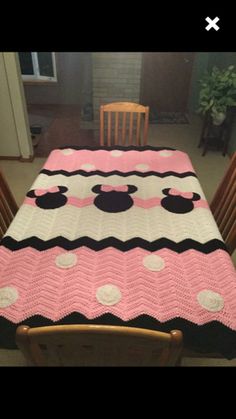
(15, 139)
(8, 135)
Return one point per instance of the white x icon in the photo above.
(212, 23)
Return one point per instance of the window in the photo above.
(38, 66)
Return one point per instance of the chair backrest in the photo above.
(98, 345)
(223, 206)
(128, 128)
(8, 206)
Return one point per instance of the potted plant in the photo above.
(217, 93)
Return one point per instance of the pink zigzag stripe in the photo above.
(72, 200)
(103, 160)
(47, 290)
(139, 202)
(153, 202)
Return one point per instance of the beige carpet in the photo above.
(14, 358)
(209, 169)
(11, 358)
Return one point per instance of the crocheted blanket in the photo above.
(124, 231)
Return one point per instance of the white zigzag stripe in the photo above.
(149, 224)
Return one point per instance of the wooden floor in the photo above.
(61, 126)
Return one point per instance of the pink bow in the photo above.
(175, 192)
(40, 192)
(109, 188)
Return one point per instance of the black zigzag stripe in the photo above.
(209, 337)
(117, 147)
(64, 243)
(115, 172)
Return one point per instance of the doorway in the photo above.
(56, 91)
(165, 81)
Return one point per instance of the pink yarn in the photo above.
(40, 192)
(45, 289)
(165, 291)
(104, 161)
(139, 202)
(110, 188)
(176, 192)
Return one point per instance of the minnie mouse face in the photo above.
(114, 198)
(177, 201)
(49, 198)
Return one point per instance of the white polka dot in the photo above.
(8, 296)
(66, 260)
(67, 151)
(153, 263)
(116, 153)
(88, 167)
(108, 295)
(143, 167)
(211, 301)
(166, 153)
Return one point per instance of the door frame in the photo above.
(19, 108)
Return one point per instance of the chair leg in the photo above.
(225, 147)
(204, 148)
(200, 143)
(204, 132)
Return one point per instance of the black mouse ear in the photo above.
(166, 191)
(62, 189)
(31, 194)
(196, 197)
(132, 188)
(96, 189)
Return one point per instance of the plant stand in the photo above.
(216, 136)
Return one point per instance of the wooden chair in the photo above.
(112, 125)
(223, 206)
(98, 345)
(8, 206)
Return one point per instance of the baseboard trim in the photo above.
(19, 158)
(29, 159)
(9, 158)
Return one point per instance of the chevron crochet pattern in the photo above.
(125, 232)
